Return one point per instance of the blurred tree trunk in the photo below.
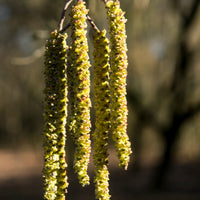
(179, 111)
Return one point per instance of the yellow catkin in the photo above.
(119, 65)
(102, 112)
(79, 80)
(54, 170)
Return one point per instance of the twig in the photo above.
(65, 28)
(188, 19)
(92, 23)
(105, 1)
(62, 18)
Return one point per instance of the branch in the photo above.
(190, 17)
(191, 112)
(187, 18)
(177, 7)
(62, 18)
(144, 114)
(105, 1)
(92, 23)
(179, 118)
(65, 28)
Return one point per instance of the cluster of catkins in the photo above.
(67, 101)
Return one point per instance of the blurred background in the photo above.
(163, 95)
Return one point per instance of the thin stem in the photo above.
(92, 23)
(65, 28)
(105, 1)
(62, 18)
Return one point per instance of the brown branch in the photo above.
(188, 19)
(191, 112)
(65, 28)
(184, 55)
(144, 114)
(177, 7)
(92, 23)
(105, 1)
(62, 18)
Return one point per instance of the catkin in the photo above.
(79, 75)
(54, 170)
(118, 57)
(102, 112)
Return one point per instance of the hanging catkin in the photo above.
(54, 171)
(79, 76)
(119, 64)
(102, 112)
